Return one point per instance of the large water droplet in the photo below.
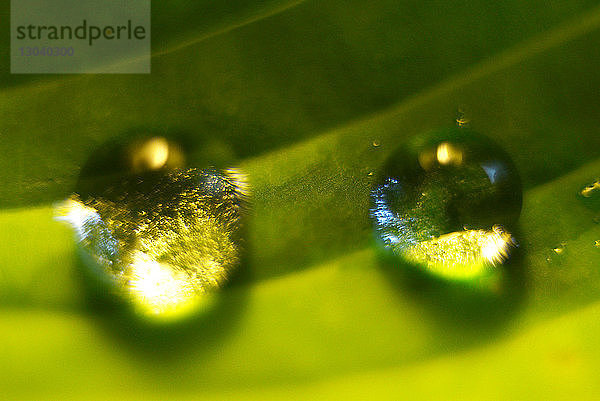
(165, 239)
(446, 203)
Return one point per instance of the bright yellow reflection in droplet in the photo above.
(154, 154)
(448, 154)
(159, 290)
(590, 189)
(463, 254)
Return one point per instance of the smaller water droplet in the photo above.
(461, 119)
(559, 249)
(597, 243)
(555, 255)
(376, 143)
(590, 196)
(442, 201)
(370, 174)
(590, 190)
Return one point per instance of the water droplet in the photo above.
(445, 203)
(597, 243)
(165, 239)
(590, 195)
(590, 190)
(370, 174)
(461, 119)
(376, 144)
(554, 254)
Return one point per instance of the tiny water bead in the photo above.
(461, 118)
(446, 203)
(559, 249)
(556, 254)
(590, 195)
(590, 190)
(165, 239)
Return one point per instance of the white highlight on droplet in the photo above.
(158, 288)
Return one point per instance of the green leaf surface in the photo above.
(298, 93)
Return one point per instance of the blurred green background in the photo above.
(296, 93)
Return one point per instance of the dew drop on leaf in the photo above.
(445, 202)
(164, 238)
